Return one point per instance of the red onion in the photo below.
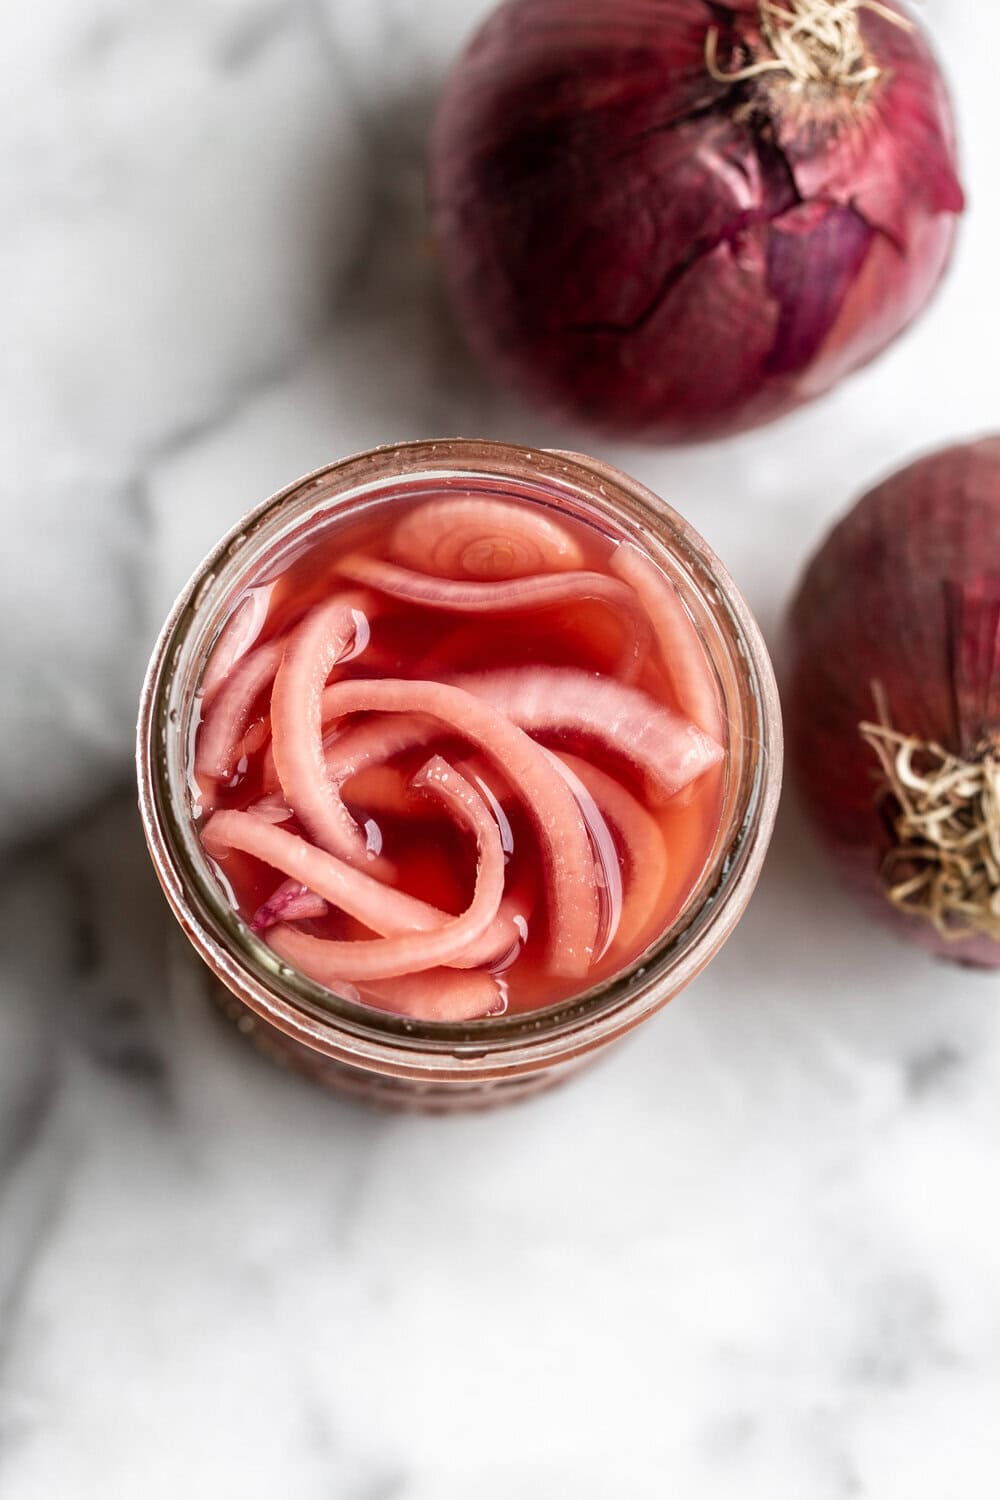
(893, 709)
(676, 219)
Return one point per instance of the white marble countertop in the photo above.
(755, 1253)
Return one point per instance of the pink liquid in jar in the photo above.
(460, 758)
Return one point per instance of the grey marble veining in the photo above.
(753, 1253)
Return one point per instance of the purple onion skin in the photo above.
(660, 255)
(904, 592)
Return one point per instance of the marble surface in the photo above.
(755, 1253)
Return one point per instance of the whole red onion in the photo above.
(675, 218)
(893, 704)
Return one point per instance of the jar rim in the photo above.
(362, 1033)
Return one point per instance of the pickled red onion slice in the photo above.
(493, 790)
(479, 537)
(500, 598)
(507, 932)
(642, 843)
(383, 908)
(237, 636)
(684, 656)
(362, 749)
(291, 902)
(328, 961)
(606, 868)
(226, 722)
(440, 995)
(562, 836)
(362, 752)
(326, 636)
(378, 787)
(668, 748)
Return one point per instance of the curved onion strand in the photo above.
(562, 837)
(501, 598)
(503, 941)
(606, 866)
(382, 788)
(440, 995)
(291, 902)
(326, 636)
(669, 749)
(228, 719)
(350, 751)
(237, 636)
(365, 746)
(643, 845)
(329, 961)
(383, 908)
(684, 656)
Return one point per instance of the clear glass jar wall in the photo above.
(351, 1046)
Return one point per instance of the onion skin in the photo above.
(905, 592)
(660, 254)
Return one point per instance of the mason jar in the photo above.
(335, 1039)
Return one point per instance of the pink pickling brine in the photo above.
(463, 759)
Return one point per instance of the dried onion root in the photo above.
(945, 862)
(893, 700)
(812, 41)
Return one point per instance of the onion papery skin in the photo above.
(905, 593)
(667, 256)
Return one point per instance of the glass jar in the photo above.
(394, 1059)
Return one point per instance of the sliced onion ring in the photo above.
(477, 536)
